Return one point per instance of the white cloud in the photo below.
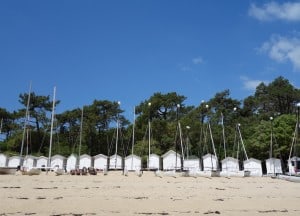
(251, 85)
(191, 67)
(289, 11)
(198, 60)
(283, 49)
(185, 68)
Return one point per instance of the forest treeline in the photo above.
(92, 129)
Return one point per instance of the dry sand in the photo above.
(115, 194)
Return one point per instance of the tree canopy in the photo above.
(92, 128)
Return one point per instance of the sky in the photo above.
(128, 50)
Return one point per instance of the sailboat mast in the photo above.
(293, 142)
(237, 141)
(132, 147)
(149, 136)
(133, 127)
(200, 150)
(298, 128)
(297, 137)
(149, 140)
(27, 140)
(26, 120)
(80, 135)
(271, 140)
(223, 133)
(181, 143)
(213, 144)
(51, 130)
(117, 138)
(238, 127)
(187, 141)
(1, 124)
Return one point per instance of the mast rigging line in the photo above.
(26, 120)
(51, 130)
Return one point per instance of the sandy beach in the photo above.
(115, 194)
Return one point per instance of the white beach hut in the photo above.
(3, 160)
(192, 163)
(72, 162)
(273, 166)
(29, 161)
(85, 160)
(254, 166)
(41, 161)
(115, 162)
(58, 161)
(294, 165)
(133, 162)
(209, 162)
(14, 161)
(231, 167)
(100, 162)
(154, 162)
(171, 160)
(230, 164)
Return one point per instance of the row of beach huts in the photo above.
(169, 161)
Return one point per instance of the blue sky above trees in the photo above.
(127, 50)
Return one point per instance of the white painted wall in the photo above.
(133, 162)
(100, 162)
(254, 166)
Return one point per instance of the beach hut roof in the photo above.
(15, 156)
(85, 156)
(229, 159)
(58, 156)
(252, 159)
(29, 156)
(295, 158)
(208, 155)
(170, 152)
(72, 156)
(42, 157)
(272, 159)
(134, 156)
(114, 156)
(100, 156)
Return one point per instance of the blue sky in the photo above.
(127, 50)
